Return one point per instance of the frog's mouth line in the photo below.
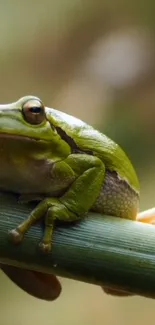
(18, 137)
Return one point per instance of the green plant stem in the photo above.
(99, 249)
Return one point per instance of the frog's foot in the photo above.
(45, 247)
(147, 216)
(15, 236)
(53, 210)
(46, 243)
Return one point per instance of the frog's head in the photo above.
(26, 123)
(26, 118)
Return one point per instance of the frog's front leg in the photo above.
(89, 172)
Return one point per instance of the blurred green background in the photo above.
(94, 60)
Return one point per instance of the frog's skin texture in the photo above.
(70, 167)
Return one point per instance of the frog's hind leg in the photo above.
(147, 216)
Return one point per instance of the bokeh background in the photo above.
(95, 60)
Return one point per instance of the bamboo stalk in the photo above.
(101, 250)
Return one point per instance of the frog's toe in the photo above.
(15, 236)
(45, 247)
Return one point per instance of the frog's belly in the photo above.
(23, 171)
(30, 177)
(117, 198)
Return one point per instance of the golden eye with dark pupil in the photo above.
(34, 112)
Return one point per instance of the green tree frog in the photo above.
(67, 165)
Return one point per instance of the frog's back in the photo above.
(89, 139)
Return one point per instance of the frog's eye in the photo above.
(34, 111)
